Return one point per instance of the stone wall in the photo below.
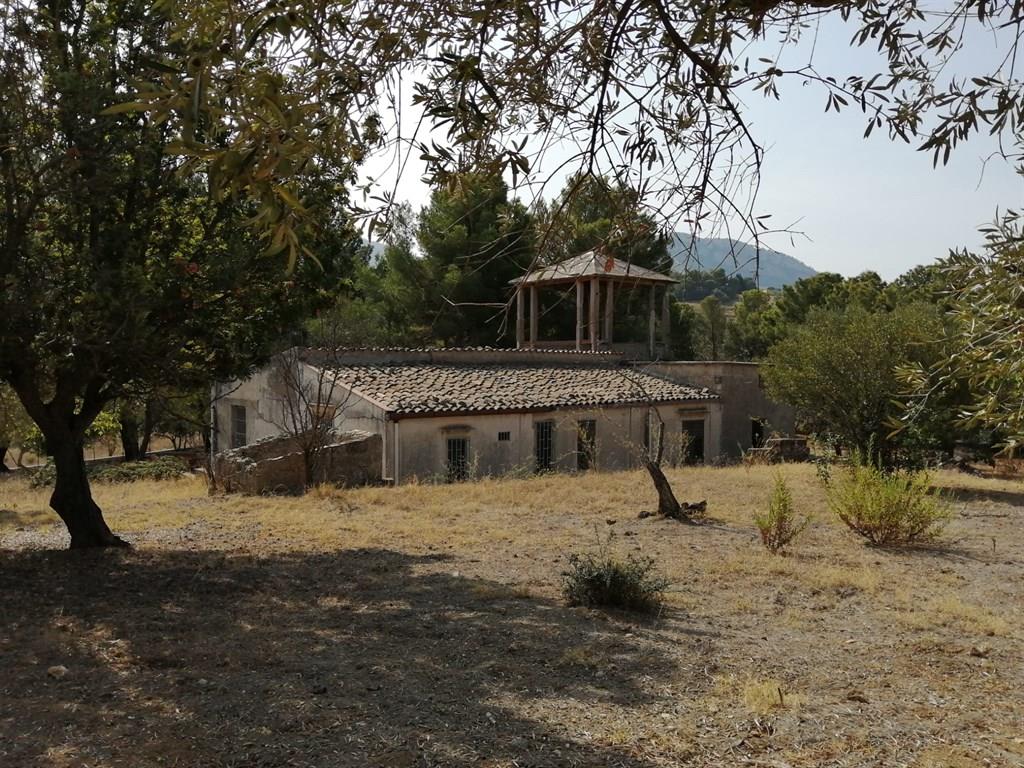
(275, 465)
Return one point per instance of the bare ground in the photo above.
(423, 626)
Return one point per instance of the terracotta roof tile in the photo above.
(431, 388)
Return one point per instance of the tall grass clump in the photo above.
(606, 581)
(888, 508)
(779, 525)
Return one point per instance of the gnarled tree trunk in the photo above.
(668, 505)
(72, 499)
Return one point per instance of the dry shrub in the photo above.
(605, 581)
(889, 509)
(779, 526)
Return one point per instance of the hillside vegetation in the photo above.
(774, 268)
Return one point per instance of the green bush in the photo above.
(162, 468)
(605, 581)
(779, 526)
(889, 509)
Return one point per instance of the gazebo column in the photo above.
(579, 315)
(520, 318)
(651, 324)
(666, 323)
(609, 310)
(595, 303)
(534, 316)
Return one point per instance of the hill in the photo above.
(776, 269)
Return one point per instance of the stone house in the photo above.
(590, 402)
(451, 414)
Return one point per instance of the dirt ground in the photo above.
(423, 626)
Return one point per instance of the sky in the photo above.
(850, 204)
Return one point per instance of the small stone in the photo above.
(57, 672)
(980, 651)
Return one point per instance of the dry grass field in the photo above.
(423, 626)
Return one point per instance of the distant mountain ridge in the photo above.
(775, 270)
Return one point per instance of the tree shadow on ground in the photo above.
(353, 658)
(969, 495)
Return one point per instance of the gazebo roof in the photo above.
(593, 263)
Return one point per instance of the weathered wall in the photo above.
(743, 398)
(260, 396)
(276, 465)
(422, 442)
(255, 395)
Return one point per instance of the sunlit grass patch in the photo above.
(762, 697)
(951, 611)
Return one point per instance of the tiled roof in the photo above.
(432, 388)
(594, 264)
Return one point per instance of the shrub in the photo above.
(605, 581)
(162, 468)
(888, 509)
(779, 526)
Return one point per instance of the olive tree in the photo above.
(118, 272)
(648, 93)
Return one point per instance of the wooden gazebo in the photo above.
(594, 269)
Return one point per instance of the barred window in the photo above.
(543, 445)
(458, 459)
(504, 437)
(239, 437)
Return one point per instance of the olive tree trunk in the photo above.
(72, 498)
(668, 504)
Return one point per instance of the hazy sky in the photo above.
(859, 203)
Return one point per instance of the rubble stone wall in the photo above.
(275, 465)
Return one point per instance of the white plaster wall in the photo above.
(419, 446)
(254, 394)
(263, 411)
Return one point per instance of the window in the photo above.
(239, 437)
(458, 459)
(504, 437)
(693, 432)
(322, 414)
(543, 445)
(586, 444)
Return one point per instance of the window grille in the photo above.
(504, 437)
(458, 459)
(239, 437)
(543, 445)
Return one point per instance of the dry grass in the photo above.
(448, 597)
(762, 697)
